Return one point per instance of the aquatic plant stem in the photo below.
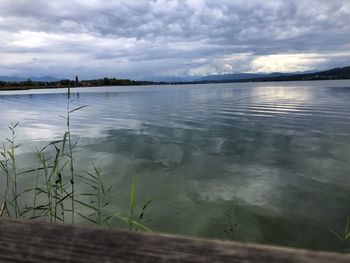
(70, 146)
(5, 168)
(12, 155)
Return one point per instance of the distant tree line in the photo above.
(115, 82)
(332, 74)
(74, 83)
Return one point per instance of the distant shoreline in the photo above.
(19, 88)
(332, 74)
(10, 88)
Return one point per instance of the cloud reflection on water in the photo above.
(264, 147)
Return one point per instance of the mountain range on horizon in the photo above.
(234, 77)
(227, 76)
(20, 79)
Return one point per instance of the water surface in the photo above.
(278, 154)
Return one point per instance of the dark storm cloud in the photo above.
(141, 38)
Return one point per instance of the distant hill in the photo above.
(224, 77)
(230, 77)
(344, 72)
(332, 74)
(11, 79)
(242, 76)
(20, 79)
(336, 73)
(13, 82)
(172, 78)
(44, 79)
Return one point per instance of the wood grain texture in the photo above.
(29, 241)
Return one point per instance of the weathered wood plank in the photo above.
(23, 241)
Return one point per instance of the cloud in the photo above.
(142, 39)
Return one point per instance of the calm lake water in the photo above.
(277, 154)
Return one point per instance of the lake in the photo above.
(277, 155)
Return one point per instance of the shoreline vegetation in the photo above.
(332, 74)
(59, 193)
(66, 83)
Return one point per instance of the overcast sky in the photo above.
(141, 39)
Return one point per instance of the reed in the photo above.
(50, 183)
(135, 223)
(345, 236)
(71, 160)
(54, 194)
(8, 166)
(97, 199)
(5, 168)
(231, 222)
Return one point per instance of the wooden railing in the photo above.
(32, 241)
